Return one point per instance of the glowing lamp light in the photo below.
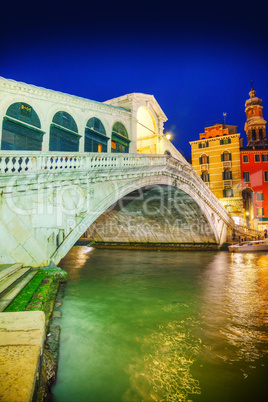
(168, 136)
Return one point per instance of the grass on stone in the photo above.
(22, 300)
(40, 296)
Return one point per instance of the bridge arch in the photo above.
(115, 193)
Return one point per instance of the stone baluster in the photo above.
(23, 164)
(16, 164)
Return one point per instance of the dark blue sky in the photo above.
(198, 63)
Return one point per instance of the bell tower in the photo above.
(255, 125)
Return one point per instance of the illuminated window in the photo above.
(226, 156)
(120, 138)
(228, 192)
(205, 177)
(95, 136)
(203, 159)
(260, 211)
(225, 141)
(203, 144)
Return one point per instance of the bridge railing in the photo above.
(15, 162)
(244, 230)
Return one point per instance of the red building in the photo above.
(254, 166)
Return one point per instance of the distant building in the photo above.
(254, 166)
(216, 158)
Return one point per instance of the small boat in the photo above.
(258, 245)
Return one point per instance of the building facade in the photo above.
(216, 159)
(254, 166)
(38, 119)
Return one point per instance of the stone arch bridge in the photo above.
(48, 200)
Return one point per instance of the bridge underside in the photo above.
(153, 214)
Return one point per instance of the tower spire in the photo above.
(255, 125)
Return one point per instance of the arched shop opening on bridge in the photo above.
(21, 128)
(64, 133)
(95, 136)
(120, 141)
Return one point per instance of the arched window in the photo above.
(205, 176)
(21, 128)
(260, 134)
(203, 159)
(64, 133)
(227, 174)
(120, 141)
(226, 156)
(253, 136)
(95, 136)
(167, 152)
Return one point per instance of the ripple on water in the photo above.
(164, 374)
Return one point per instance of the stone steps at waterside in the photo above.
(13, 284)
(8, 269)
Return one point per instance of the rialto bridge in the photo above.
(68, 164)
(48, 200)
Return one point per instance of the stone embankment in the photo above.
(25, 292)
(152, 246)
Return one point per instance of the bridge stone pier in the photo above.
(49, 199)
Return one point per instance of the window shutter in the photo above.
(230, 156)
(222, 157)
(207, 159)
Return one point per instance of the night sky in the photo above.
(197, 62)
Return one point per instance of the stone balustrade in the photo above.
(14, 162)
(21, 163)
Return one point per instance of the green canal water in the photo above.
(163, 326)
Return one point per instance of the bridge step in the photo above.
(12, 279)
(8, 269)
(16, 287)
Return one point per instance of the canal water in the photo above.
(163, 326)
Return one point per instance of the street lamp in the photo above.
(168, 136)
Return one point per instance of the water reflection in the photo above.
(156, 326)
(75, 260)
(240, 300)
(164, 373)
